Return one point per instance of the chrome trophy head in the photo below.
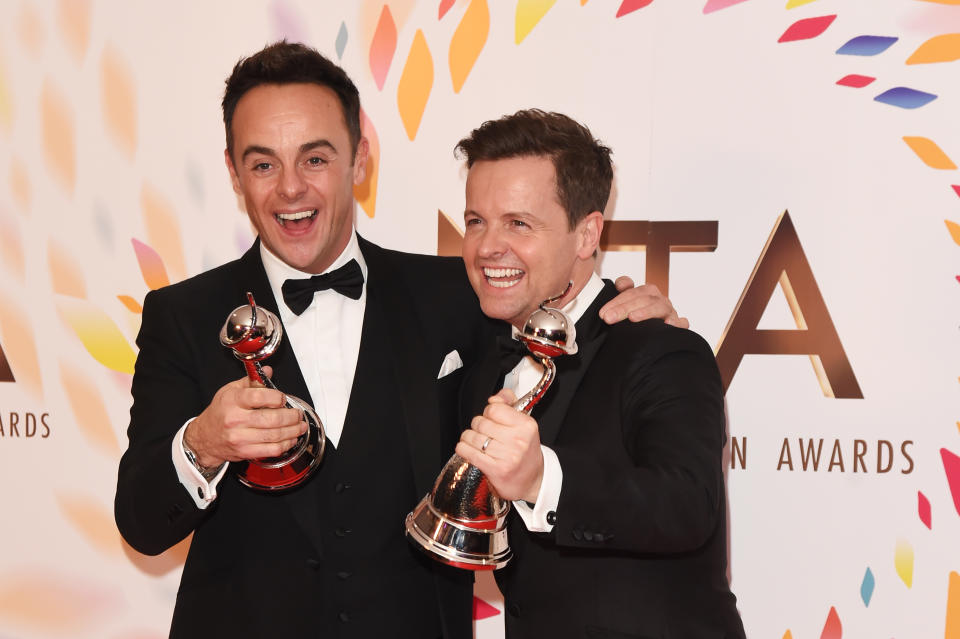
(253, 334)
(463, 521)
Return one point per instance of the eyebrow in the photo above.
(305, 147)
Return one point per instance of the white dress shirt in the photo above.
(326, 342)
(525, 376)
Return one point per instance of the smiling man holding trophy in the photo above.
(619, 524)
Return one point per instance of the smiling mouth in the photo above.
(294, 219)
(502, 277)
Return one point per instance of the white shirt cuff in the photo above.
(202, 492)
(548, 498)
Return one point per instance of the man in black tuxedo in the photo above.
(379, 355)
(618, 528)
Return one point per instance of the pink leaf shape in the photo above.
(716, 5)
(445, 6)
(629, 6)
(807, 28)
(855, 81)
(951, 464)
(832, 629)
(382, 47)
(923, 509)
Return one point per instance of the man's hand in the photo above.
(244, 421)
(511, 459)
(640, 303)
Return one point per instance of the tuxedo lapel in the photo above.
(591, 333)
(482, 378)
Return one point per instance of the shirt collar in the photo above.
(576, 307)
(279, 271)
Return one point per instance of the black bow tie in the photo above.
(511, 352)
(346, 280)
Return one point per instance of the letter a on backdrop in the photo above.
(783, 261)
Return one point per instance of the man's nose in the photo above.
(492, 243)
(291, 185)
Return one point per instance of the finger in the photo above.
(267, 371)
(623, 283)
(505, 396)
(261, 397)
(679, 322)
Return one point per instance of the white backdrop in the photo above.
(112, 182)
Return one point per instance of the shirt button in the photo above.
(552, 518)
(577, 534)
(200, 492)
(342, 532)
(340, 487)
(343, 616)
(313, 563)
(514, 610)
(343, 575)
(588, 535)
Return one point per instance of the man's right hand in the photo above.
(244, 421)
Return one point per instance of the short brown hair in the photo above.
(584, 171)
(291, 63)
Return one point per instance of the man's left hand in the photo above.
(511, 459)
(640, 303)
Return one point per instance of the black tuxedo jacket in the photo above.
(263, 564)
(639, 546)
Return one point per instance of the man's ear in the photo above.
(360, 161)
(588, 235)
(234, 178)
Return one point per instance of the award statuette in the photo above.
(463, 522)
(253, 334)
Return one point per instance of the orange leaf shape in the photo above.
(98, 333)
(944, 1)
(954, 229)
(59, 145)
(6, 104)
(31, 29)
(468, 41)
(73, 17)
(163, 231)
(11, 248)
(529, 13)
(941, 48)
(56, 603)
(94, 522)
(89, 409)
(449, 236)
(382, 47)
(119, 100)
(366, 192)
(931, 154)
(952, 630)
(20, 185)
(151, 266)
(788, 635)
(20, 348)
(416, 81)
(132, 305)
(65, 274)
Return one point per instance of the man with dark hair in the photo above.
(379, 362)
(619, 523)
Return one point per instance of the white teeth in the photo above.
(295, 216)
(501, 272)
(496, 284)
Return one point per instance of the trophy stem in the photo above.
(526, 403)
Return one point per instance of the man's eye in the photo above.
(261, 166)
(518, 223)
(316, 161)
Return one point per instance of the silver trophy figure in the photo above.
(463, 521)
(253, 334)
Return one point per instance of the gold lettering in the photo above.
(738, 452)
(903, 449)
(836, 457)
(785, 455)
(783, 261)
(859, 450)
(881, 444)
(809, 455)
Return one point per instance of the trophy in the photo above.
(253, 334)
(463, 521)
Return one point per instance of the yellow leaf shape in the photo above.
(952, 630)
(903, 561)
(11, 248)
(94, 522)
(31, 29)
(151, 266)
(468, 41)
(941, 48)
(89, 409)
(954, 229)
(416, 81)
(98, 333)
(163, 231)
(19, 345)
(132, 305)
(6, 104)
(73, 17)
(20, 185)
(59, 145)
(366, 192)
(797, 3)
(529, 13)
(119, 100)
(931, 154)
(65, 274)
(56, 603)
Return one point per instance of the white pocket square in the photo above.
(450, 363)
